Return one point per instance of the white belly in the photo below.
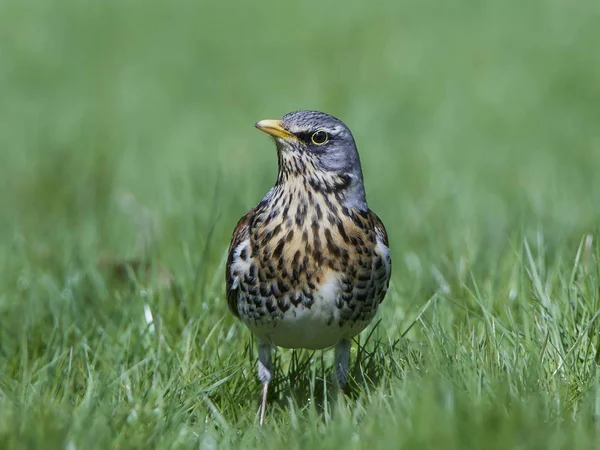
(304, 329)
(317, 327)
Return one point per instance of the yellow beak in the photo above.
(274, 128)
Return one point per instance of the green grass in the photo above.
(126, 130)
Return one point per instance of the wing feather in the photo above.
(239, 241)
(383, 250)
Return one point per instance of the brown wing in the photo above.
(383, 251)
(239, 240)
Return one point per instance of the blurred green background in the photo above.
(126, 129)
(470, 117)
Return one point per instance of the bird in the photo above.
(309, 265)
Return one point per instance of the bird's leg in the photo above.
(265, 372)
(342, 359)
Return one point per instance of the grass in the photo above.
(126, 133)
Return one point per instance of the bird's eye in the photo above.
(319, 137)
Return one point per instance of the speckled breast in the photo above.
(311, 273)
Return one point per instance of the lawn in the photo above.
(126, 135)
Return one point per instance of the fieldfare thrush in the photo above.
(309, 265)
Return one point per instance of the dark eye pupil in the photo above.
(319, 137)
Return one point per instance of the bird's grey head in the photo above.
(319, 147)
